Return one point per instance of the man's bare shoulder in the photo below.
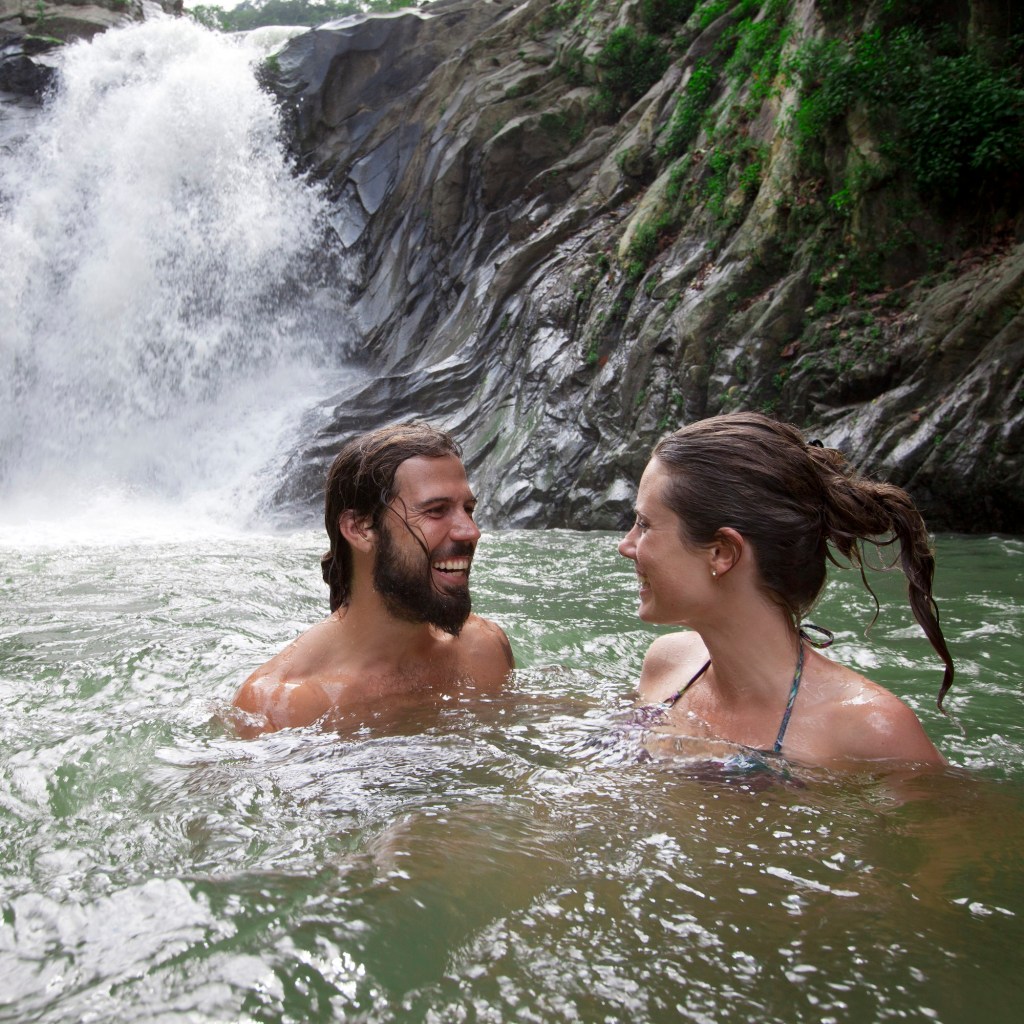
(485, 654)
(315, 676)
(288, 690)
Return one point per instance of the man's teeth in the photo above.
(453, 565)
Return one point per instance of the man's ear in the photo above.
(726, 550)
(358, 531)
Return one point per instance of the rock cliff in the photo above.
(581, 226)
(582, 223)
(31, 29)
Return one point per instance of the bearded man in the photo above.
(399, 517)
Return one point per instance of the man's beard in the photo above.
(409, 593)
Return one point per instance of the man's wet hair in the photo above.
(362, 480)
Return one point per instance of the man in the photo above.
(399, 516)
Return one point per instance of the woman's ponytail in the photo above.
(864, 511)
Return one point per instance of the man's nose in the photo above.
(465, 529)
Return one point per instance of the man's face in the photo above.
(426, 544)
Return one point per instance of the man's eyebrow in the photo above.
(444, 499)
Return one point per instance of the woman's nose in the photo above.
(627, 546)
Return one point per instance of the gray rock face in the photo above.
(540, 278)
(495, 213)
(30, 31)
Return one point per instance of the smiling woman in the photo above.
(736, 517)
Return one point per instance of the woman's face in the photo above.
(674, 576)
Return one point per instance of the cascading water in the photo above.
(170, 292)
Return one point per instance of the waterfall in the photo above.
(171, 294)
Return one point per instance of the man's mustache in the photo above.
(458, 549)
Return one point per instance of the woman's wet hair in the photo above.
(798, 504)
(362, 479)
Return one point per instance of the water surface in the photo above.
(502, 860)
(172, 310)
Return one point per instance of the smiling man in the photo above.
(399, 516)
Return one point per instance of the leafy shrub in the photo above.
(953, 120)
(644, 245)
(630, 63)
(757, 51)
(691, 106)
(711, 10)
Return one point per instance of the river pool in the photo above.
(507, 860)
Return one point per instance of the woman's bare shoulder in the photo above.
(856, 719)
(671, 658)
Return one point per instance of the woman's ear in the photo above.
(359, 532)
(726, 550)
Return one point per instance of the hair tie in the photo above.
(815, 443)
(825, 638)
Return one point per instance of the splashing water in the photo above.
(169, 290)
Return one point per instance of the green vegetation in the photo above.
(673, 412)
(735, 164)
(756, 51)
(691, 106)
(630, 63)
(746, 56)
(561, 125)
(953, 120)
(646, 243)
(558, 15)
(256, 13)
(945, 114)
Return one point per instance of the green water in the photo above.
(503, 861)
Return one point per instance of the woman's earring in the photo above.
(714, 572)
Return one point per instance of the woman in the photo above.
(735, 517)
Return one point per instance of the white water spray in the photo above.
(169, 291)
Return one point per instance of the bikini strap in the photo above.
(777, 749)
(824, 638)
(689, 682)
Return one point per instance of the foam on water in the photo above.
(169, 289)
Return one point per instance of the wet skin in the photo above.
(383, 647)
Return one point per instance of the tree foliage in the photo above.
(947, 114)
(252, 14)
